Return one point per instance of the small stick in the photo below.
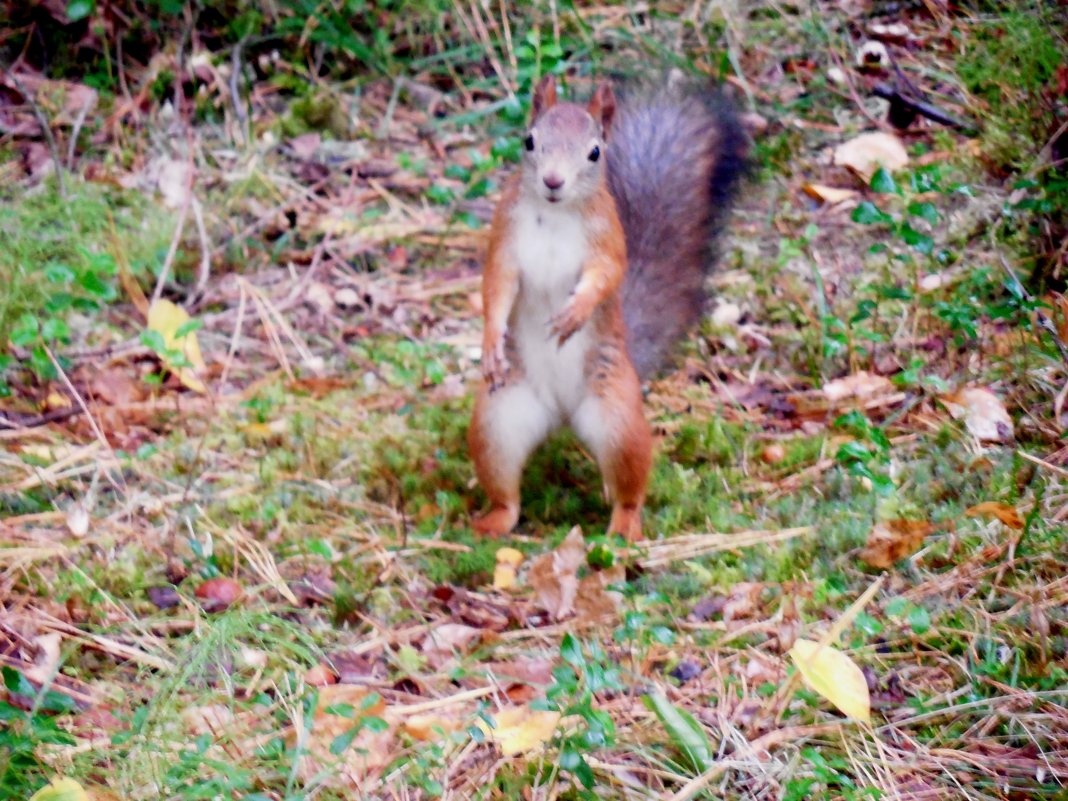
(920, 107)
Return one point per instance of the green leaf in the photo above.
(188, 327)
(54, 329)
(925, 211)
(913, 238)
(79, 9)
(919, 619)
(897, 606)
(341, 743)
(25, 331)
(154, 340)
(685, 732)
(571, 651)
(867, 213)
(883, 182)
(853, 451)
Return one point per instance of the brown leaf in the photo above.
(554, 576)
(219, 593)
(984, 414)
(859, 385)
(864, 154)
(594, 601)
(829, 194)
(117, 387)
(893, 540)
(1002, 511)
(444, 641)
(743, 601)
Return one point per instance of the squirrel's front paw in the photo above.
(495, 366)
(564, 325)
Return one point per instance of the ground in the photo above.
(246, 570)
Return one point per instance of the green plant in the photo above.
(587, 671)
(868, 455)
(23, 731)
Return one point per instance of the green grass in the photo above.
(366, 486)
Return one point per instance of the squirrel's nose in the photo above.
(553, 181)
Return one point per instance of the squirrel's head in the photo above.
(563, 157)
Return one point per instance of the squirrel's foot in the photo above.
(626, 520)
(497, 522)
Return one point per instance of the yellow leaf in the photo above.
(829, 194)
(165, 318)
(835, 676)
(504, 574)
(61, 790)
(520, 729)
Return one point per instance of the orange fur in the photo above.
(608, 413)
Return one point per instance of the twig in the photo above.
(920, 107)
(78, 123)
(173, 249)
(46, 129)
(1043, 463)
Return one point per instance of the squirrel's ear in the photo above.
(544, 97)
(602, 107)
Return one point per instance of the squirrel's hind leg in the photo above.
(612, 424)
(507, 425)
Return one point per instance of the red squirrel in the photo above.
(598, 254)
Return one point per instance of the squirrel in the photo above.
(598, 254)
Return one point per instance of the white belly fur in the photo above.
(549, 245)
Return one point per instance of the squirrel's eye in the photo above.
(595, 153)
(528, 143)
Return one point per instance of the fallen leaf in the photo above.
(984, 414)
(167, 320)
(57, 400)
(61, 789)
(743, 600)
(1002, 511)
(504, 574)
(175, 182)
(859, 385)
(829, 194)
(219, 593)
(46, 662)
(893, 540)
(520, 729)
(116, 387)
(554, 576)
(443, 642)
(834, 676)
(593, 600)
(430, 726)
(78, 520)
(868, 152)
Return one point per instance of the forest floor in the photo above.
(246, 571)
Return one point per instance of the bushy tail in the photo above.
(675, 156)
